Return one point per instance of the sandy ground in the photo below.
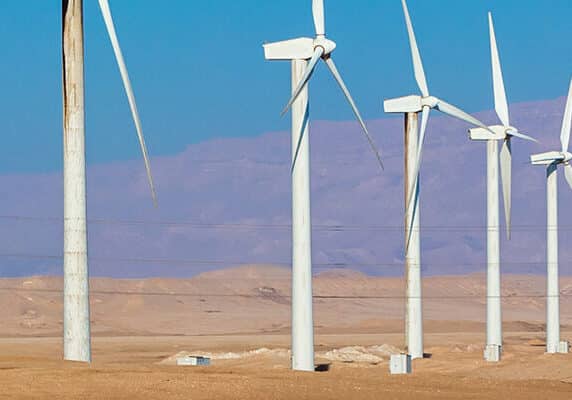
(130, 367)
(241, 318)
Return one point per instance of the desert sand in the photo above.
(240, 318)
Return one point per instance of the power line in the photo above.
(175, 261)
(278, 296)
(317, 227)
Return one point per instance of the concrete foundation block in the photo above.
(400, 364)
(564, 348)
(193, 361)
(493, 353)
(552, 348)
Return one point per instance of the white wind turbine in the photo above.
(77, 337)
(503, 133)
(305, 53)
(411, 106)
(552, 160)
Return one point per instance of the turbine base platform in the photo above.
(400, 364)
(493, 353)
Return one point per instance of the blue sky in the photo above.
(199, 72)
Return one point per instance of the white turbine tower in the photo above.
(552, 160)
(411, 106)
(305, 53)
(504, 133)
(77, 337)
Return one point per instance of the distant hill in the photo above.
(256, 299)
(227, 202)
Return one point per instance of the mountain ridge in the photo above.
(227, 202)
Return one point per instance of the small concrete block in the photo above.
(552, 348)
(400, 364)
(193, 361)
(564, 348)
(493, 353)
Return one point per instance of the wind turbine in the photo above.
(77, 337)
(552, 160)
(304, 54)
(504, 133)
(411, 106)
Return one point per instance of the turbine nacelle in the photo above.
(410, 104)
(298, 49)
(550, 157)
(555, 157)
(406, 104)
(495, 132)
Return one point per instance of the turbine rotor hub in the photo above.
(510, 131)
(429, 101)
(326, 44)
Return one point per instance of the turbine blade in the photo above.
(506, 176)
(568, 174)
(501, 103)
(413, 200)
(332, 66)
(567, 124)
(417, 63)
(106, 12)
(455, 112)
(523, 136)
(305, 78)
(319, 18)
(300, 139)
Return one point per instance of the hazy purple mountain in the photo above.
(244, 183)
